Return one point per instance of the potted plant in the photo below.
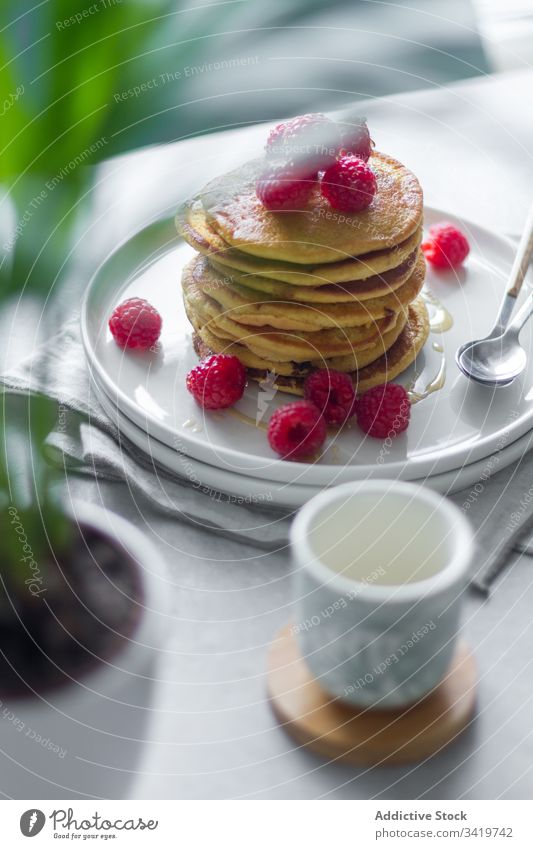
(80, 616)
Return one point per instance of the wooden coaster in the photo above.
(367, 737)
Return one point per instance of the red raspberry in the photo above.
(283, 187)
(311, 140)
(217, 382)
(356, 141)
(446, 247)
(349, 184)
(383, 410)
(332, 392)
(297, 430)
(135, 324)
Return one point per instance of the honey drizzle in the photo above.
(440, 320)
(242, 417)
(433, 386)
(192, 424)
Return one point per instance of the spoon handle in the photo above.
(525, 312)
(516, 278)
(506, 310)
(522, 258)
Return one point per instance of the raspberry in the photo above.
(383, 410)
(446, 246)
(349, 184)
(135, 324)
(356, 141)
(311, 140)
(297, 430)
(283, 187)
(332, 392)
(217, 382)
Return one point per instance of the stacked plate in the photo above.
(456, 427)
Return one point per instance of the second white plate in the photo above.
(252, 490)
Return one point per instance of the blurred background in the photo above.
(159, 70)
(85, 80)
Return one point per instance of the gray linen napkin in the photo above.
(85, 441)
(499, 505)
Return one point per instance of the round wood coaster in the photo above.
(367, 737)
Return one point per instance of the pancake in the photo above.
(317, 234)
(330, 293)
(400, 355)
(193, 226)
(347, 363)
(293, 291)
(278, 345)
(247, 307)
(284, 345)
(388, 366)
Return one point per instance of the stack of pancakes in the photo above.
(290, 292)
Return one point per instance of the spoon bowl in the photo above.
(499, 358)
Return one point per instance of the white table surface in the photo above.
(212, 734)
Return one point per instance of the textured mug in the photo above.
(380, 571)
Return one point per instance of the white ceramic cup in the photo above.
(380, 571)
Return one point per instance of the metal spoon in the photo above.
(496, 362)
(498, 358)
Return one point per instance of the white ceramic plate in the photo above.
(458, 425)
(209, 479)
(275, 493)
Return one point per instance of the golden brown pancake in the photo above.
(316, 234)
(400, 355)
(330, 293)
(290, 292)
(386, 367)
(246, 306)
(193, 225)
(347, 363)
(284, 345)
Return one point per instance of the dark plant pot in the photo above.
(84, 739)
